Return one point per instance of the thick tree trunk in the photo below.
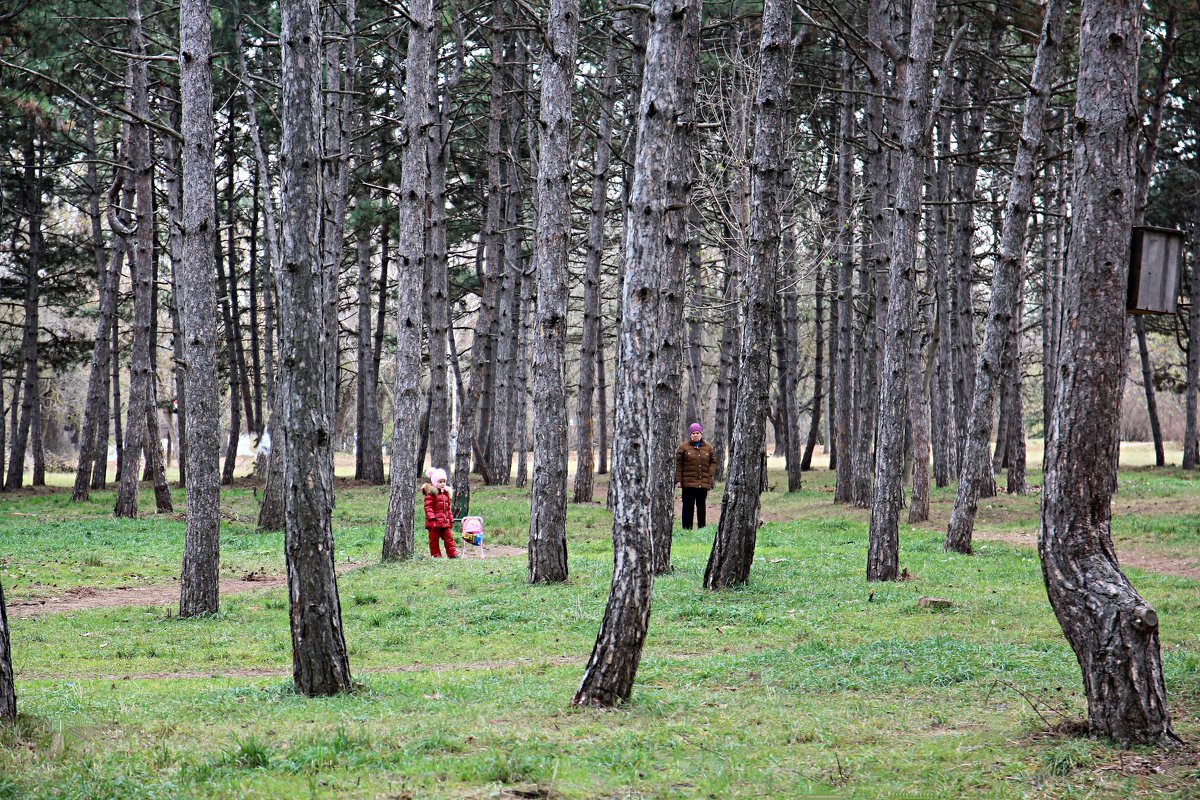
(410, 270)
(141, 271)
(1112, 630)
(522, 443)
(548, 496)
(8, 695)
(843, 421)
(657, 245)
(197, 301)
(585, 416)
(883, 553)
(733, 548)
(320, 665)
(990, 372)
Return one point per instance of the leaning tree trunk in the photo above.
(585, 457)
(197, 302)
(655, 244)
(320, 665)
(976, 465)
(883, 552)
(548, 495)
(8, 695)
(141, 269)
(733, 548)
(1139, 328)
(843, 422)
(410, 272)
(1112, 630)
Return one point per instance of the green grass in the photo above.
(808, 681)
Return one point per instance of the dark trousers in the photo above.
(693, 499)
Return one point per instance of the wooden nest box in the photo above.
(1154, 270)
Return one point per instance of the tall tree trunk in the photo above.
(522, 443)
(695, 323)
(439, 280)
(141, 271)
(814, 424)
(1112, 630)
(320, 665)
(663, 167)
(1191, 455)
(733, 548)
(883, 553)
(27, 385)
(368, 451)
(969, 134)
(548, 495)
(197, 302)
(1139, 327)
(976, 464)
(235, 384)
(843, 422)
(585, 416)
(419, 98)
(119, 437)
(93, 440)
(941, 400)
(601, 402)
(725, 379)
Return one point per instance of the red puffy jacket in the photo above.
(437, 507)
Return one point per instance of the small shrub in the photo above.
(364, 599)
(249, 753)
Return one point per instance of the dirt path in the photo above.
(83, 598)
(1179, 567)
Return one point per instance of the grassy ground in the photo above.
(806, 682)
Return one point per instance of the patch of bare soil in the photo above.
(83, 598)
(1179, 567)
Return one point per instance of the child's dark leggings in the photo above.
(447, 536)
(693, 499)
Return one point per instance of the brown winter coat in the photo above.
(695, 466)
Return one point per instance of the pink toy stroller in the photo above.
(472, 529)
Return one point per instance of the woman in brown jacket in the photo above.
(695, 465)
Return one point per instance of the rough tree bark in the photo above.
(733, 547)
(320, 665)
(883, 552)
(1112, 630)
(141, 270)
(976, 464)
(1015, 453)
(552, 235)
(585, 415)
(843, 421)
(8, 695)
(197, 301)
(410, 272)
(657, 238)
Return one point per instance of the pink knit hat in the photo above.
(436, 474)
(695, 428)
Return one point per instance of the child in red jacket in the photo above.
(438, 517)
